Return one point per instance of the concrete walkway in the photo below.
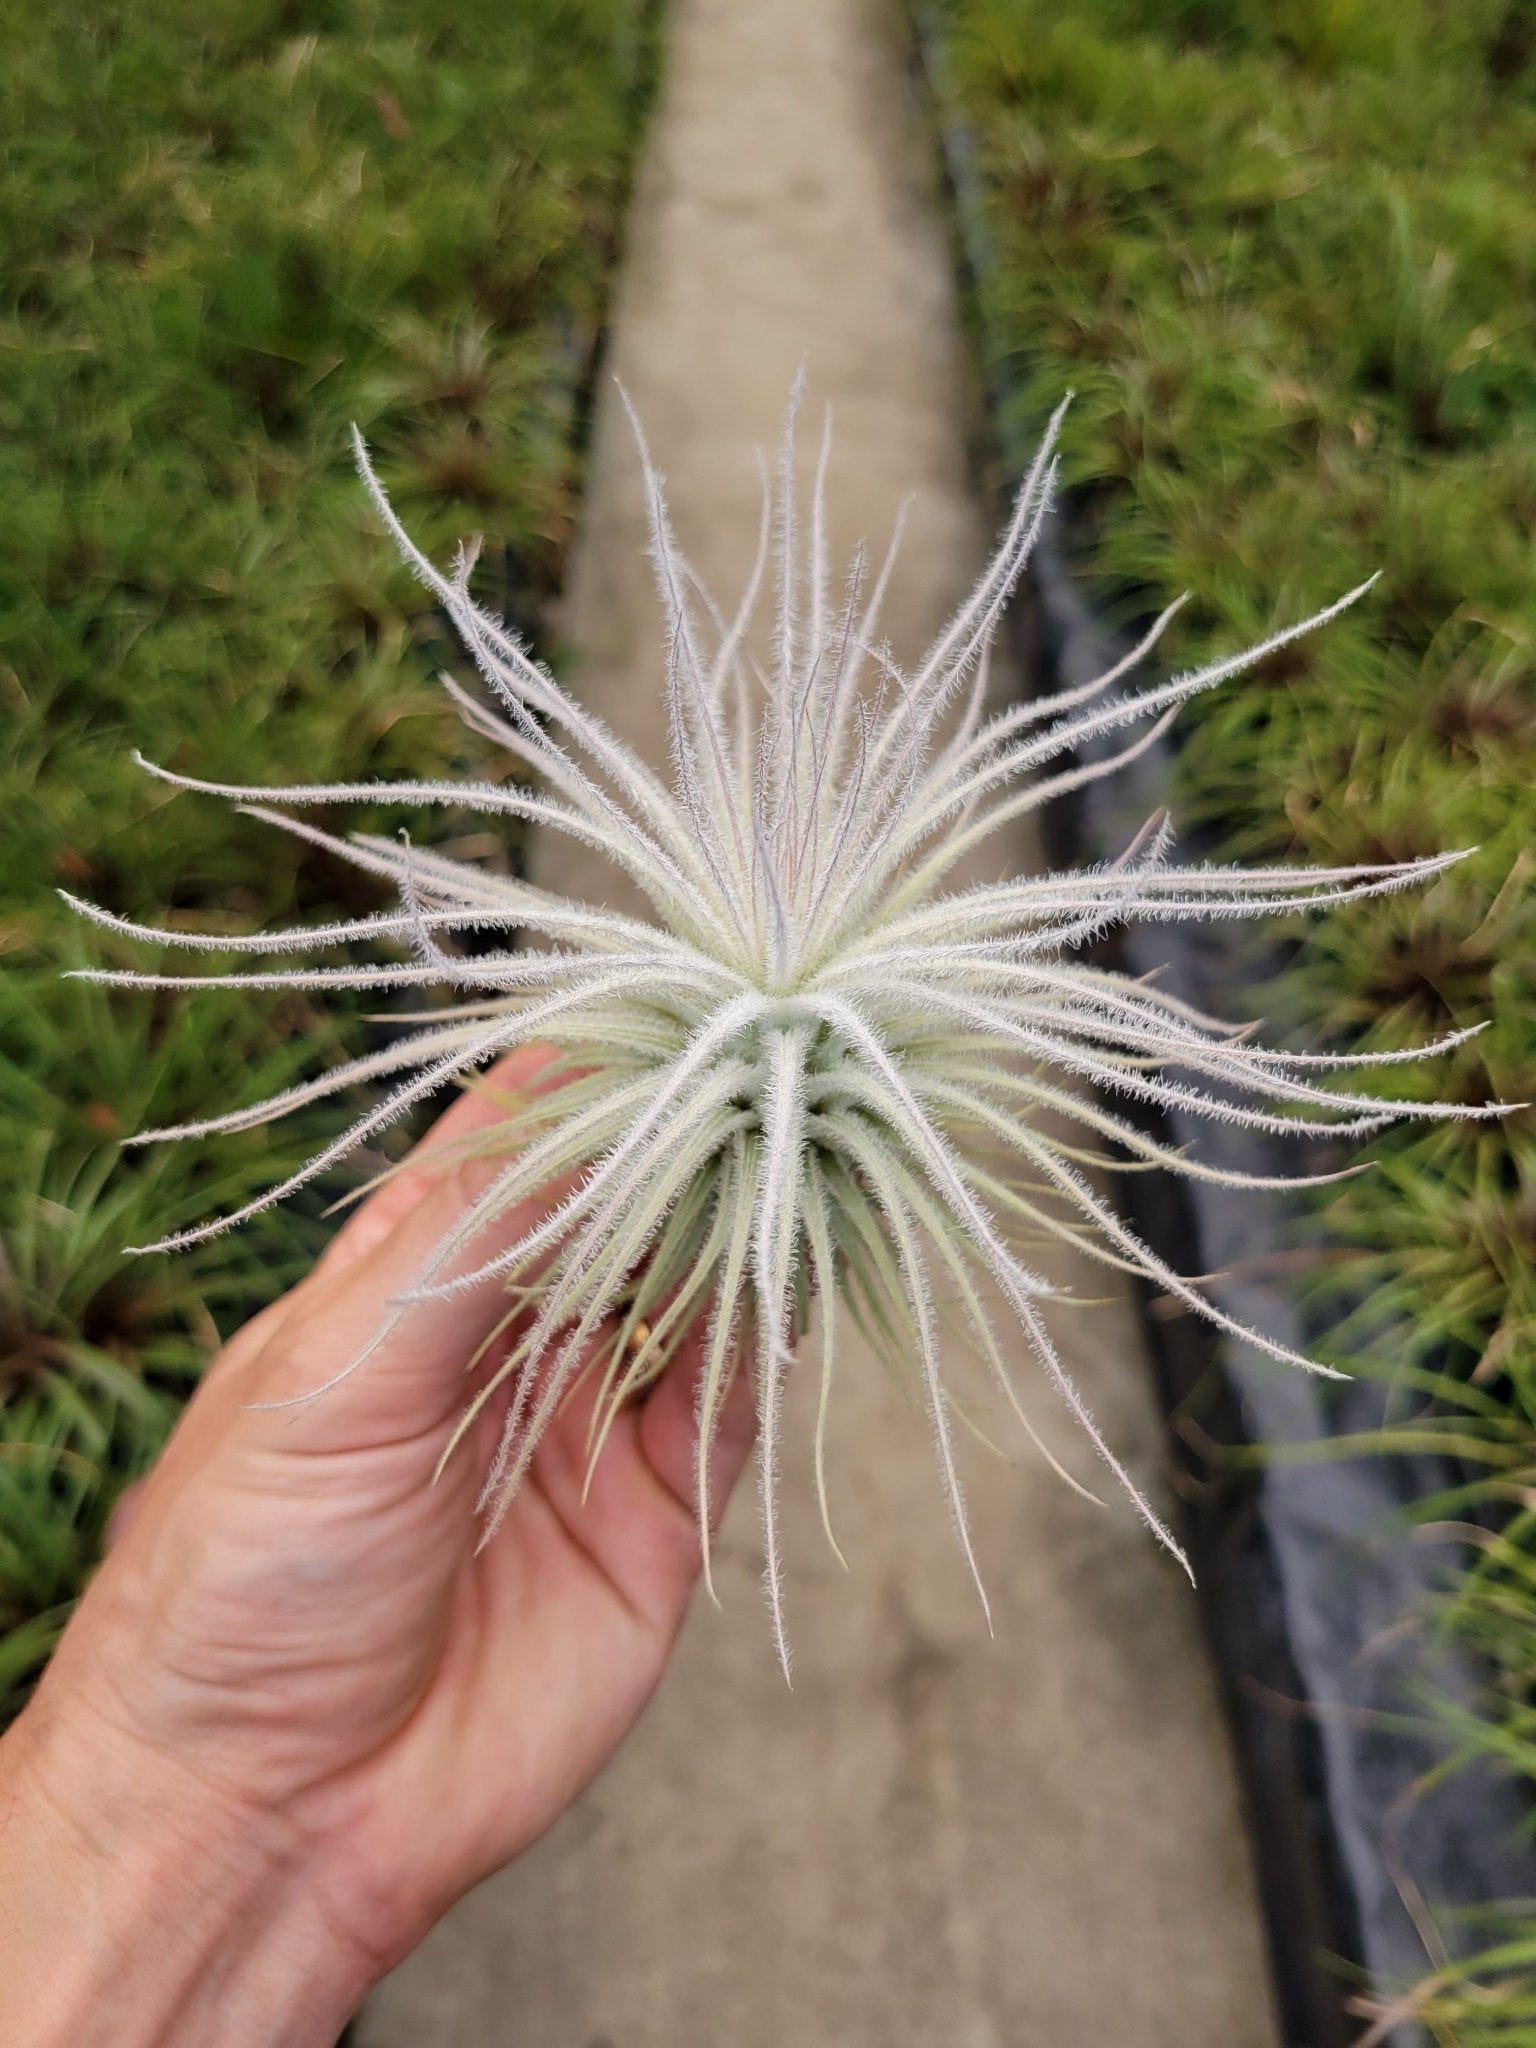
(937, 1840)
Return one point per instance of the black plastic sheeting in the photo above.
(1316, 1594)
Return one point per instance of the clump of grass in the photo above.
(96, 1355)
(1287, 258)
(819, 1067)
(226, 231)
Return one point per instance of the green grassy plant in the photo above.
(1287, 256)
(228, 230)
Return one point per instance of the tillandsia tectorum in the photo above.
(820, 1072)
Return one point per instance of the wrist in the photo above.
(138, 1907)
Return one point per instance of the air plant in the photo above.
(815, 1072)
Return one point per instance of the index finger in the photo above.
(485, 1102)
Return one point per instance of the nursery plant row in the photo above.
(1286, 259)
(231, 230)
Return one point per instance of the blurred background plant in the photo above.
(1287, 257)
(228, 230)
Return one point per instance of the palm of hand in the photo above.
(298, 1617)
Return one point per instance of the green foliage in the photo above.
(1287, 257)
(229, 230)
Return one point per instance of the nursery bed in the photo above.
(231, 230)
(1306, 1566)
(1202, 222)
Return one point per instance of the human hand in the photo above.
(298, 1713)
